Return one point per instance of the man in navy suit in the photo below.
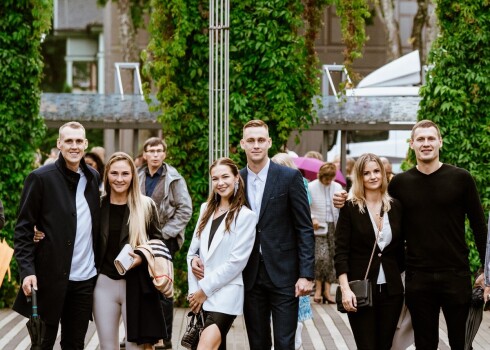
(281, 266)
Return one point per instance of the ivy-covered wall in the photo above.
(457, 93)
(273, 76)
(21, 27)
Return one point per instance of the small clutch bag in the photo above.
(124, 261)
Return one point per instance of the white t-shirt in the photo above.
(83, 261)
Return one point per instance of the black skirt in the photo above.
(223, 321)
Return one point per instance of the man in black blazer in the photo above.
(62, 200)
(281, 266)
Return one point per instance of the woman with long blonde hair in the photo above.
(127, 216)
(222, 243)
(371, 219)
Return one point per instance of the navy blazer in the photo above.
(354, 241)
(284, 230)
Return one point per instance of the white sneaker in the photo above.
(298, 341)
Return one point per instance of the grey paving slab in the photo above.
(328, 330)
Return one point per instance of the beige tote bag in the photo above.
(6, 253)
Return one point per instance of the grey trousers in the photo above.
(109, 306)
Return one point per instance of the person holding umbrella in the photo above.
(62, 200)
(479, 300)
(127, 217)
(484, 279)
(310, 166)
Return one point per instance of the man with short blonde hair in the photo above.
(62, 200)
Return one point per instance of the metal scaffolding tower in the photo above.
(219, 80)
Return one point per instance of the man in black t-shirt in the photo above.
(436, 200)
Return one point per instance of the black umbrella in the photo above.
(475, 317)
(35, 325)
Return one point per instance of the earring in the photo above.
(215, 197)
(236, 189)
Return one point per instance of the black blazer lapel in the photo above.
(104, 231)
(244, 175)
(366, 222)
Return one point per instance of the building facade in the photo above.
(93, 47)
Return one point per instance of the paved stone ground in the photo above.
(328, 330)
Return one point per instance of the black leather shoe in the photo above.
(122, 344)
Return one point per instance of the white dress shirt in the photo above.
(256, 186)
(384, 238)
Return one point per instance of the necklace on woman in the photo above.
(377, 218)
(372, 208)
(223, 210)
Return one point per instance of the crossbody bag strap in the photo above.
(375, 241)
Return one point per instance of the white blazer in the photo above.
(223, 262)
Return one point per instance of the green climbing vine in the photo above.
(21, 28)
(457, 93)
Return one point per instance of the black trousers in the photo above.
(374, 327)
(426, 294)
(263, 300)
(75, 316)
(168, 314)
(168, 303)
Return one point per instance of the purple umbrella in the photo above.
(310, 167)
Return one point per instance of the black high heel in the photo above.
(326, 300)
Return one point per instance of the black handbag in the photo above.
(477, 298)
(362, 289)
(195, 325)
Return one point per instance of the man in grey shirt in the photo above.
(168, 189)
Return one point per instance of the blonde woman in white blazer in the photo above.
(324, 217)
(222, 243)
